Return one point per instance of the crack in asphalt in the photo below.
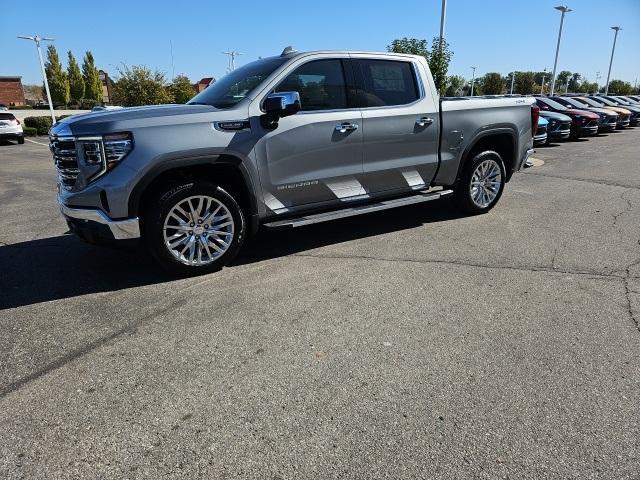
(586, 180)
(626, 210)
(533, 268)
(62, 361)
(628, 291)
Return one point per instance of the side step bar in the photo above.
(359, 210)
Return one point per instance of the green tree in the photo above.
(76, 82)
(493, 84)
(620, 87)
(438, 58)
(455, 86)
(413, 46)
(525, 83)
(138, 85)
(574, 82)
(181, 89)
(563, 79)
(58, 82)
(588, 87)
(92, 83)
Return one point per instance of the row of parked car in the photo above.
(573, 116)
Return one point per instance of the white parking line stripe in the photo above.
(37, 143)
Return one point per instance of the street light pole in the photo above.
(564, 10)
(615, 37)
(513, 76)
(543, 78)
(598, 77)
(473, 79)
(37, 39)
(443, 15)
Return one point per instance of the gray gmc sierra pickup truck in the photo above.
(284, 141)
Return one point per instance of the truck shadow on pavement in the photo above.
(62, 267)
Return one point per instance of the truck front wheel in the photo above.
(481, 184)
(194, 228)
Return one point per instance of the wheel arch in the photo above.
(228, 171)
(502, 140)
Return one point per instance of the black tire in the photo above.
(462, 193)
(21, 140)
(153, 222)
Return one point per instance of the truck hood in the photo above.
(132, 117)
(555, 116)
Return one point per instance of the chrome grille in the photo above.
(65, 158)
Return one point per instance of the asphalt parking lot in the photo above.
(412, 343)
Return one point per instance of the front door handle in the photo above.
(424, 121)
(346, 127)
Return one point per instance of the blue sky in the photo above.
(495, 35)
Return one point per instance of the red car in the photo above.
(583, 122)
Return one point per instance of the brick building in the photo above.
(203, 83)
(11, 92)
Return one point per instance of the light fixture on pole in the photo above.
(473, 79)
(513, 77)
(37, 39)
(615, 37)
(564, 10)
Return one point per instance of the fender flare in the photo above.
(464, 158)
(166, 162)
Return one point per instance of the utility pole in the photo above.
(564, 10)
(473, 79)
(232, 58)
(443, 15)
(37, 39)
(615, 37)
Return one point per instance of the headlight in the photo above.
(116, 147)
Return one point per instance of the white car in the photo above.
(10, 128)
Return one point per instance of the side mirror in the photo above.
(282, 104)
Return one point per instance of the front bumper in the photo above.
(559, 134)
(97, 222)
(591, 130)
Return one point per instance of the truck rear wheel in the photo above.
(481, 184)
(194, 228)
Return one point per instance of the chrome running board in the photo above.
(359, 210)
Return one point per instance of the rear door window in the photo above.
(7, 116)
(385, 83)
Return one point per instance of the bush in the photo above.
(29, 131)
(87, 104)
(20, 107)
(41, 124)
(61, 117)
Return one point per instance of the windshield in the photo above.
(236, 85)
(591, 102)
(575, 103)
(606, 102)
(552, 104)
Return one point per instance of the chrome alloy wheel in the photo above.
(198, 230)
(485, 183)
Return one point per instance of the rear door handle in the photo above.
(346, 127)
(424, 121)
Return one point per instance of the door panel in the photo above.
(309, 158)
(400, 126)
